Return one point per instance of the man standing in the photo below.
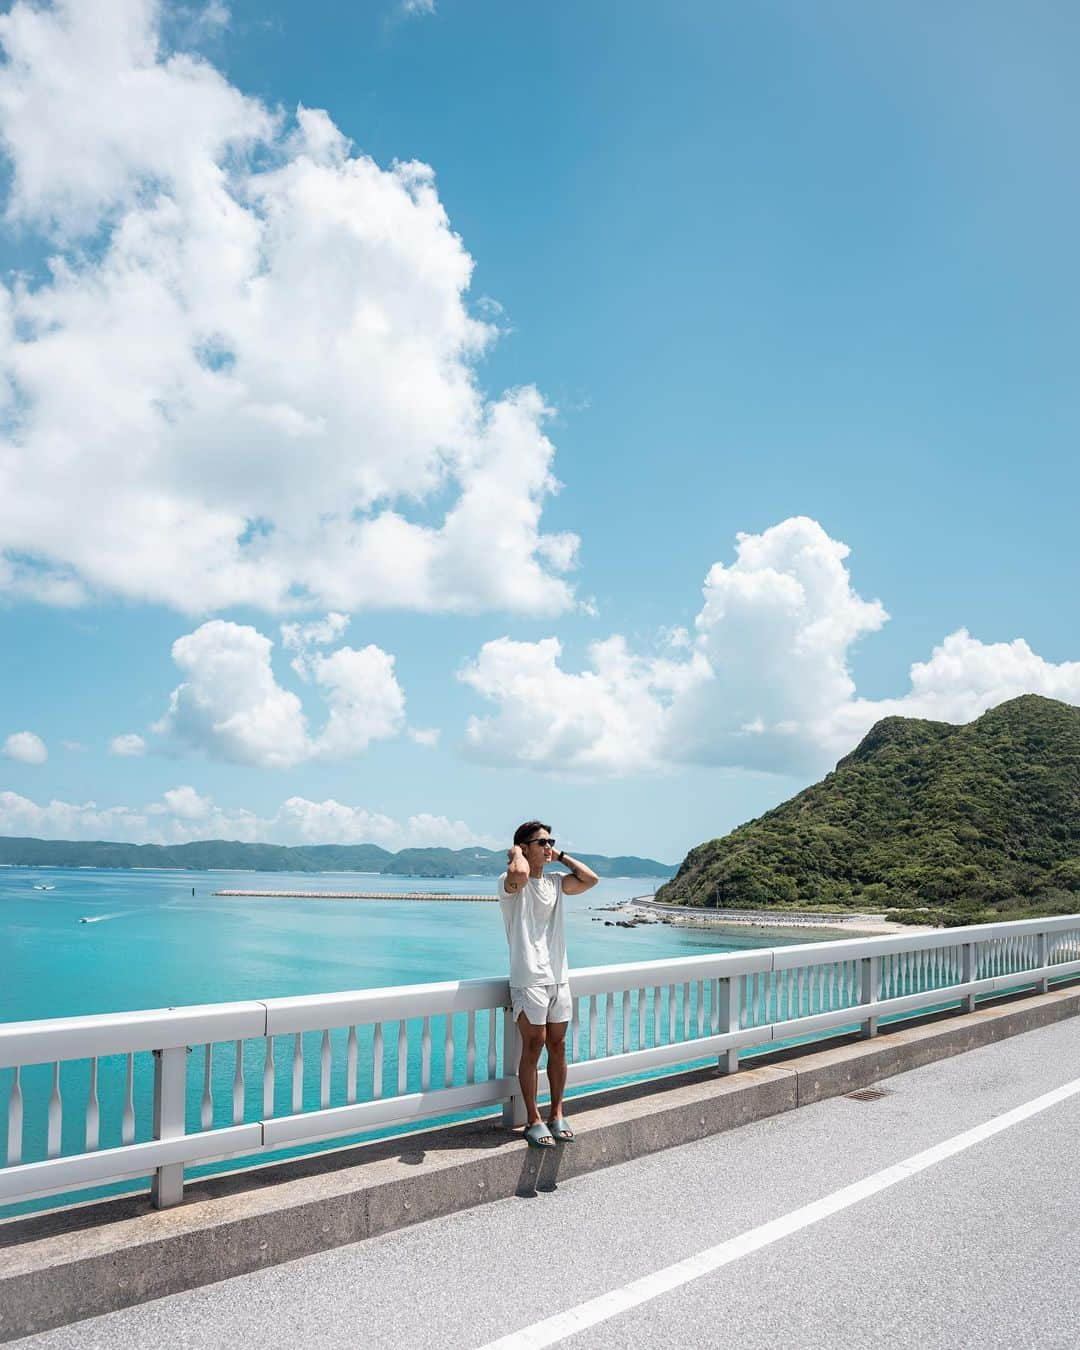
(532, 910)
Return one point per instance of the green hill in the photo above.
(969, 822)
(225, 853)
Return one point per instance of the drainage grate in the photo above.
(870, 1094)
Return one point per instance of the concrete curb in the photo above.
(90, 1259)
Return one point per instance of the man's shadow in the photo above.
(540, 1171)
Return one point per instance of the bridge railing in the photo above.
(101, 1099)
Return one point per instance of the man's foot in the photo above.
(561, 1129)
(538, 1135)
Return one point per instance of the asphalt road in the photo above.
(978, 1249)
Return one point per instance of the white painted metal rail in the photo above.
(92, 1100)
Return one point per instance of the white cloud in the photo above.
(765, 684)
(130, 745)
(74, 820)
(214, 16)
(76, 747)
(330, 822)
(186, 804)
(184, 815)
(248, 376)
(425, 736)
(300, 637)
(365, 701)
(775, 633)
(418, 6)
(26, 748)
(231, 705)
(610, 719)
(962, 679)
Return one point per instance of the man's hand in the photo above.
(517, 869)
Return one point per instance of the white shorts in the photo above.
(542, 1003)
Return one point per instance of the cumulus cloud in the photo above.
(75, 820)
(248, 373)
(231, 705)
(130, 745)
(364, 699)
(425, 736)
(609, 719)
(183, 815)
(331, 822)
(301, 637)
(764, 683)
(186, 804)
(26, 748)
(962, 679)
(773, 640)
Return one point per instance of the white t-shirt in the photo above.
(533, 916)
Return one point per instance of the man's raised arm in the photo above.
(517, 869)
(581, 878)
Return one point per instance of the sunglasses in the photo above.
(546, 843)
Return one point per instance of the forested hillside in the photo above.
(964, 822)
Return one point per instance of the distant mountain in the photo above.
(222, 853)
(442, 862)
(954, 823)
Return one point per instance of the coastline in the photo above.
(642, 909)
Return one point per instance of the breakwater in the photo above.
(356, 895)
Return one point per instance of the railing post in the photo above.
(514, 1107)
(170, 1093)
(870, 986)
(729, 1021)
(1042, 955)
(969, 966)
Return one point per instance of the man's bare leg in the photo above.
(533, 1040)
(556, 1066)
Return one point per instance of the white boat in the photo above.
(48, 887)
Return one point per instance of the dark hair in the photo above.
(524, 833)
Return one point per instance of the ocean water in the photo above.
(162, 938)
(154, 939)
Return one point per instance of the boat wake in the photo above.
(100, 918)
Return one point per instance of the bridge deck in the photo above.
(977, 1249)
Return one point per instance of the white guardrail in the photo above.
(109, 1098)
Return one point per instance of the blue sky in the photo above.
(801, 275)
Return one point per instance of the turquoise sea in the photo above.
(159, 938)
(112, 941)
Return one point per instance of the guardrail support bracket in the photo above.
(513, 1113)
(1042, 960)
(969, 970)
(870, 990)
(729, 1021)
(170, 1093)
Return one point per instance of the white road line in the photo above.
(600, 1309)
